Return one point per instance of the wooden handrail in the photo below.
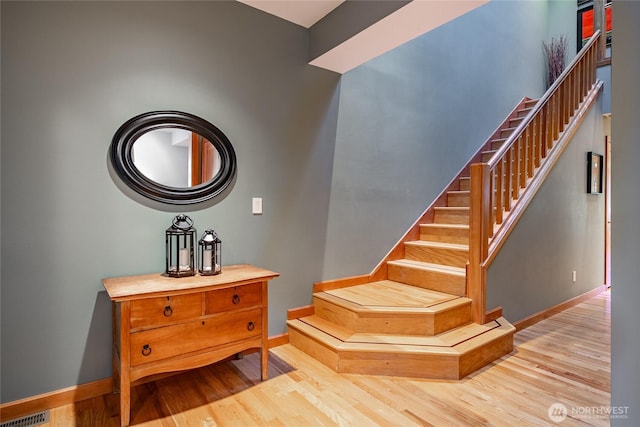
(498, 185)
(589, 47)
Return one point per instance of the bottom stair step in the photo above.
(450, 355)
(388, 307)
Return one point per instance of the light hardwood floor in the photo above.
(564, 359)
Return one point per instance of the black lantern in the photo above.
(209, 253)
(180, 241)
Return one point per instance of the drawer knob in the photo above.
(146, 350)
(251, 326)
(236, 299)
(168, 311)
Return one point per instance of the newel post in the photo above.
(479, 223)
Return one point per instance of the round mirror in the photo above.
(173, 157)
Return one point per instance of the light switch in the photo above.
(256, 205)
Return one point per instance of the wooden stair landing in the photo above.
(391, 328)
(390, 294)
(407, 310)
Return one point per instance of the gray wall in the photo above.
(72, 73)
(411, 118)
(625, 199)
(398, 128)
(603, 73)
(561, 231)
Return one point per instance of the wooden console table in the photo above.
(163, 324)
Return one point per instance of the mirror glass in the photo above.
(173, 157)
(176, 157)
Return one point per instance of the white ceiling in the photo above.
(410, 21)
(301, 12)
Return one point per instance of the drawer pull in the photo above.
(168, 311)
(236, 299)
(251, 326)
(146, 350)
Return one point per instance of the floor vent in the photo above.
(29, 420)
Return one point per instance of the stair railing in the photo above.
(498, 186)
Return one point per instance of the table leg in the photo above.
(264, 350)
(125, 401)
(264, 363)
(125, 364)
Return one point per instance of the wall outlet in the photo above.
(256, 205)
(574, 276)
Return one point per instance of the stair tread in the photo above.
(336, 331)
(459, 192)
(460, 339)
(389, 296)
(442, 245)
(449, 338)
(503, 328)
(458, 271)
(451, 208)
(451, 226)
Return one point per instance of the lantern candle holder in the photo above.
(209, 253)
(180, 243)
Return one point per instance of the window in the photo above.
(585, 21)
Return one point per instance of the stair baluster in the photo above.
(518, 167)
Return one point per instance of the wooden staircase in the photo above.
(422, 311)
(414, 318)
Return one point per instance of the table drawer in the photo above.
(160, 311)
(162, 343)
(234, 298)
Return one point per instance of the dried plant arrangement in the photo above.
(555, 51)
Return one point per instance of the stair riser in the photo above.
(497, 144)
(444, 256)
(434, 280)
(506, 132)
(453, 318)
(445, 367)
(465, 184)
(514, 123)
(399, 323)
(449, 216)
(486, 156)
(458, 200)
(485, 354)
(444, 235)
(335, 314)
(311, 346)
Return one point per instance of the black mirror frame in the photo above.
(120, 154)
